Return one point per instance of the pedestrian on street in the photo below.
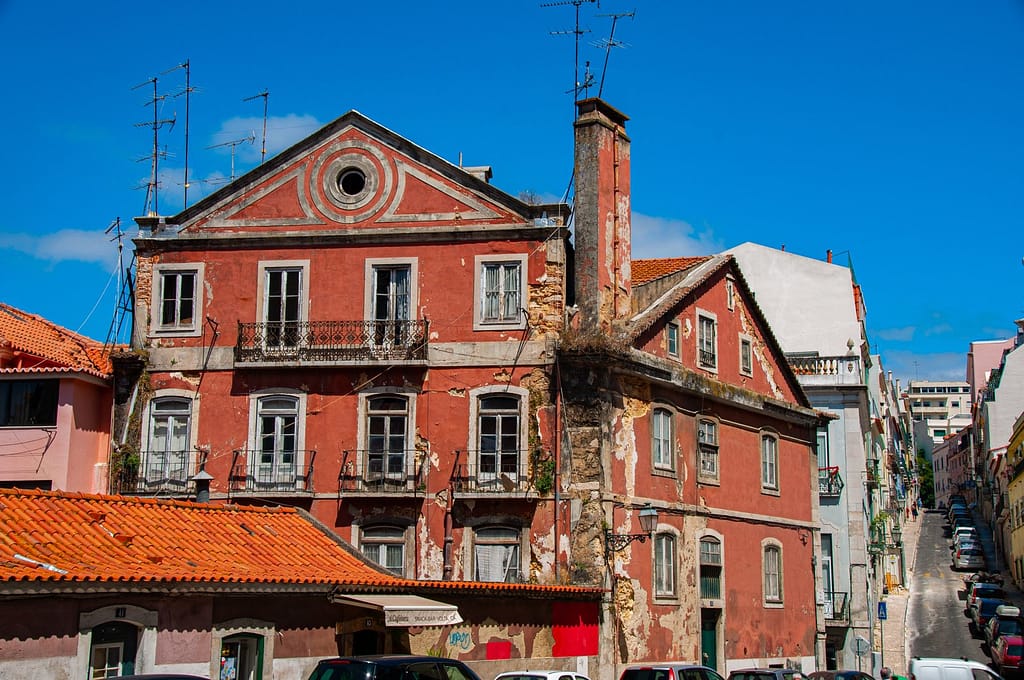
(914, 511)
(885, 673)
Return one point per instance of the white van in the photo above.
(938, 668)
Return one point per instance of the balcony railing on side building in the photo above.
(272, 472)
(326, 342)
(835, 370)
(501, 473)
(157, 473)
(830, 483)
(380, 472)
(836, 608)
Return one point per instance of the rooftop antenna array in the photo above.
(266, 96)
(610, 43)
(576, 33)
(151, 206)
(126, 300)
(233, 143)
(188, 96)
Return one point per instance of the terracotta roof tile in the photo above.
(644, 271)
(52, 348)
(74, 537)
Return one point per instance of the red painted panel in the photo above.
(499, 649)
(574, 628)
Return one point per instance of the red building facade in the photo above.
(430, 368)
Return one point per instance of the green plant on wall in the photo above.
(544, 474)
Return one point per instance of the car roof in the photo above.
(538, 674)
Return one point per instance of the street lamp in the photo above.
(897, 535)
(614, 542)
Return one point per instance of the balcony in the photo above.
(258, 473)
(830, 484)
(837, 611)
(493, 477)
(379, 472)
(826, 371)
(328, 343)
(707, 358)
(165, 473)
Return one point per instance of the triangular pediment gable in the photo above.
(687, 287)
(353, 174)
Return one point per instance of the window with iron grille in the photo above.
(710, 569)
(707, 341)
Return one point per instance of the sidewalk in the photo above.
(894, 628)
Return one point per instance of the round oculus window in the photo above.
(352, 181)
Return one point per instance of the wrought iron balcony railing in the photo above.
(493, 475)
(836, 607)
(331, 341)
(158, 472)
(830, 484)
(380, 472)
(707, 358)
(272, 472)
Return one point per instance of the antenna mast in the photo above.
(266, 95)
(610, 43)
(126, 300)
(576, 32)
(154, 183)
(188, 95)
(233, 143)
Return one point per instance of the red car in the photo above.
(1006, 652)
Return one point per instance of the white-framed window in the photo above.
(500, 292)
(662, 447)
(710, 568)
(772, 572)
(385, 545)
(746, 355)
(391, 299)
(730, 293)
(177, 299)
(497, 431)
(769, 462)
(707, 449)
(167, 460)
(672, 339)
(276, 447)
(283, 302)
(387, 434)
(664, 565)
(707, 340)
(823, 454)
(106, 660)
(496, 554)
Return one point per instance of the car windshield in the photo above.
(1009, 627)
(343, 670)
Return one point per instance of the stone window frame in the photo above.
(702, 446)
(479, 263)
(746, 343)
(177, 329)
(667, 465)
(772, 594)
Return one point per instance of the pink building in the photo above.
(55, 406)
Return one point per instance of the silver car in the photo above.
(969, 558)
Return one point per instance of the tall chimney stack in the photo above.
(602, 215)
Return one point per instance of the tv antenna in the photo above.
(585, 85)
(610, 43)
(188, 95)
(156, 124)
(266, 96)
(576, 32)
(126, 300)
(233, 143)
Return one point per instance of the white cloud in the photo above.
(282, 132)
(905, 334)
(664, 237)
(66, 245)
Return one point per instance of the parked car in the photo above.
(839, 675)
(969, 558)
(162, 676)
(981, 611)
(1006, 654)
(669, 671)
(1006, 621)
(983, 589)
(540, 675)
(939, 668)
(766, 674)
(392, 667)
(964, 531)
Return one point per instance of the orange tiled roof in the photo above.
(74, 537)
(52, 348)
(53, 536)
(644, 271)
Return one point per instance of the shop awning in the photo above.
(401, 611)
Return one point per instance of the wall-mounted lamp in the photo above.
(648, 521)
(897, 534)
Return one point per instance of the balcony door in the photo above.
(499, 438)
(167, 453)
(387, 429)
(275, 463)
(282, 303)
(391, 305)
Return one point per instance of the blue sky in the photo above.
(891, 133)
